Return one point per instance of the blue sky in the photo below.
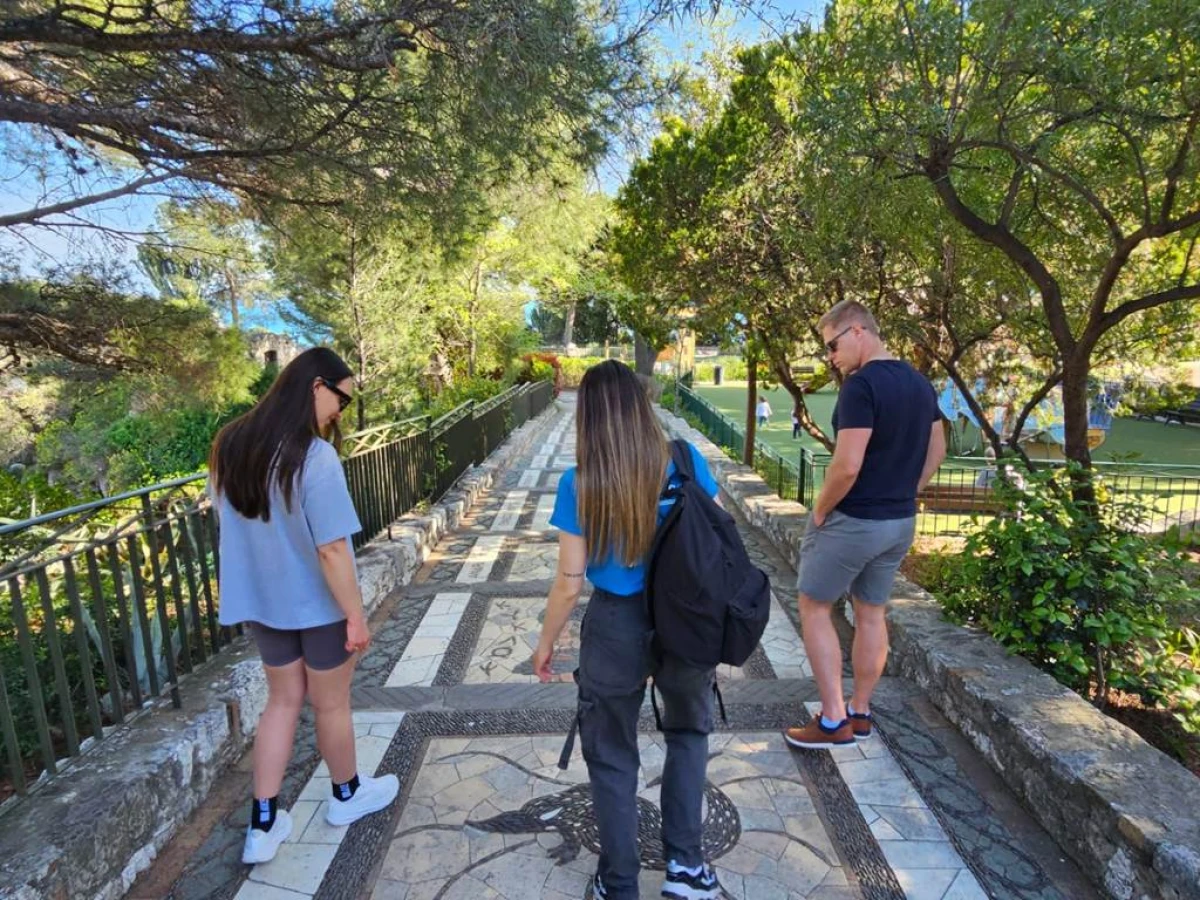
(23, 184)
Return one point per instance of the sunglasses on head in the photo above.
(832, 345)
(344, 399)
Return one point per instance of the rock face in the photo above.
(91, 830)
(1127, 813)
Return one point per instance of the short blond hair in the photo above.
(849, 312)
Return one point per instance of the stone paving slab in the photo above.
(447, 701)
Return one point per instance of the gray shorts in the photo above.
(855, 556)
(321, 648)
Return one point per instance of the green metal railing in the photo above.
(106, 606)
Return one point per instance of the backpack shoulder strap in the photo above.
(681, 454)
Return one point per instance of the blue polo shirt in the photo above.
(610, 574)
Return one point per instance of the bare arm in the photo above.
(564, 594)
(337, 564)
(934, 455)
(843, 470)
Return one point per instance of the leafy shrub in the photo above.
(573, 368)
(152, 447)
(1150, 398)
(733, 369)
(1082, 594)
(461, 390)
(26, 494)
(667, 399)
(529, 373)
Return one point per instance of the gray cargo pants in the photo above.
(615, 659)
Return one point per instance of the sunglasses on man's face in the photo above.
(344, 399)
(832, 345)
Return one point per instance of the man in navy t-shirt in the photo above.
(889, 444)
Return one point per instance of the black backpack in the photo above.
(708, 602)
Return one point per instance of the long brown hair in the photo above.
(622, 460)
(272, 439)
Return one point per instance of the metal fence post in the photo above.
(802, 475)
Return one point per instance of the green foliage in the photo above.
(573, 368)
(541, 367)
(733, 368)
(136, 431)
(90, 318)
(205, 251)
(667, 398)
(463, 389)
(162, 445)
(1148, 398)
(24, 495)
(1081, 593)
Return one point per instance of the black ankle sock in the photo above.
(346, 791)
(262, 813)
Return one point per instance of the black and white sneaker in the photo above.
(691, 884)
(597, 891)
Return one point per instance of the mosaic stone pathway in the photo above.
(446, 699)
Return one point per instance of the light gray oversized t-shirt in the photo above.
(270, 572)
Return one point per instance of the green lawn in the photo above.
(1147, 442)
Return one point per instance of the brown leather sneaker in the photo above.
(862, 725)
(815, 736)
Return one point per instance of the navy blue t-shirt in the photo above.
(899, 404)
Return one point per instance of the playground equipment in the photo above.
(1044, 432)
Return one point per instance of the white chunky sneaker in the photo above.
(261, 846)
(373, 794)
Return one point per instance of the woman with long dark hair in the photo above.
(607, 511)
(287, 570)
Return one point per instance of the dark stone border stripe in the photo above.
(758, 666)
(538, 588)
(504, 560)
(988, 848)
(843, 819)
(461, 648)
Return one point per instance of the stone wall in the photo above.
(91, 830)
(1127, 813)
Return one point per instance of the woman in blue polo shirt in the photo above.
(607, 511)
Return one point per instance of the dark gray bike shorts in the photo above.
(321, 648)
(855, 556)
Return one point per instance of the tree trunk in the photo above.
(644, 356)
(472, 335)
(360, 349)
(360, 403)
(569, 325)
(800, 405)
(1075, 422)
(234, 317)
(751, 403)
